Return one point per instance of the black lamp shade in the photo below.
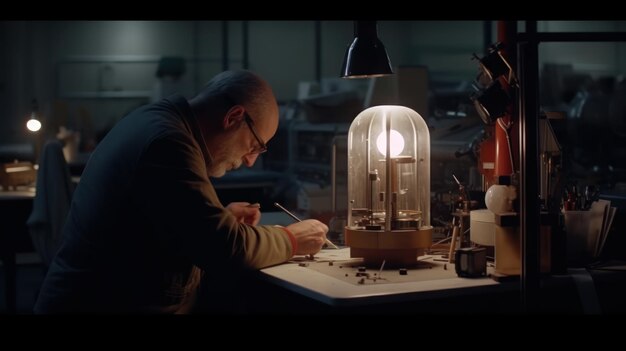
(366, 56)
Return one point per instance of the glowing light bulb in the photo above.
(397, 143)
(34, 125)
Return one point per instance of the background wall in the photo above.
(94, 72)
(596, 59)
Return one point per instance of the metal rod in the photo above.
(370, 198)
(529, 172)
(388, 172)
(287, 212)
(380, 272)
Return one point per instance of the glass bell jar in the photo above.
(388, 186)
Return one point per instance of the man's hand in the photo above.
(310, 235)
(245, 212)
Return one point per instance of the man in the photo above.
(145, 219)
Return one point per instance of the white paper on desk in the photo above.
(598, 211)
(608, 222)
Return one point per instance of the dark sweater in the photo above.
(145, 220)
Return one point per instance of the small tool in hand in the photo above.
(299, 220)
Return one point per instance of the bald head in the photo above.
(237, 114)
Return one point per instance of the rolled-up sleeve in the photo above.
(173, 191)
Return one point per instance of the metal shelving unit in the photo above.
(308, 150)
(527, 44)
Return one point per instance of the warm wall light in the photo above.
(366, 56)
(33, 124)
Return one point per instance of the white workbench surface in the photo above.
(337, 292)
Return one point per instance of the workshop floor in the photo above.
(30, 274)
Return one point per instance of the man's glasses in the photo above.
(262, 147)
